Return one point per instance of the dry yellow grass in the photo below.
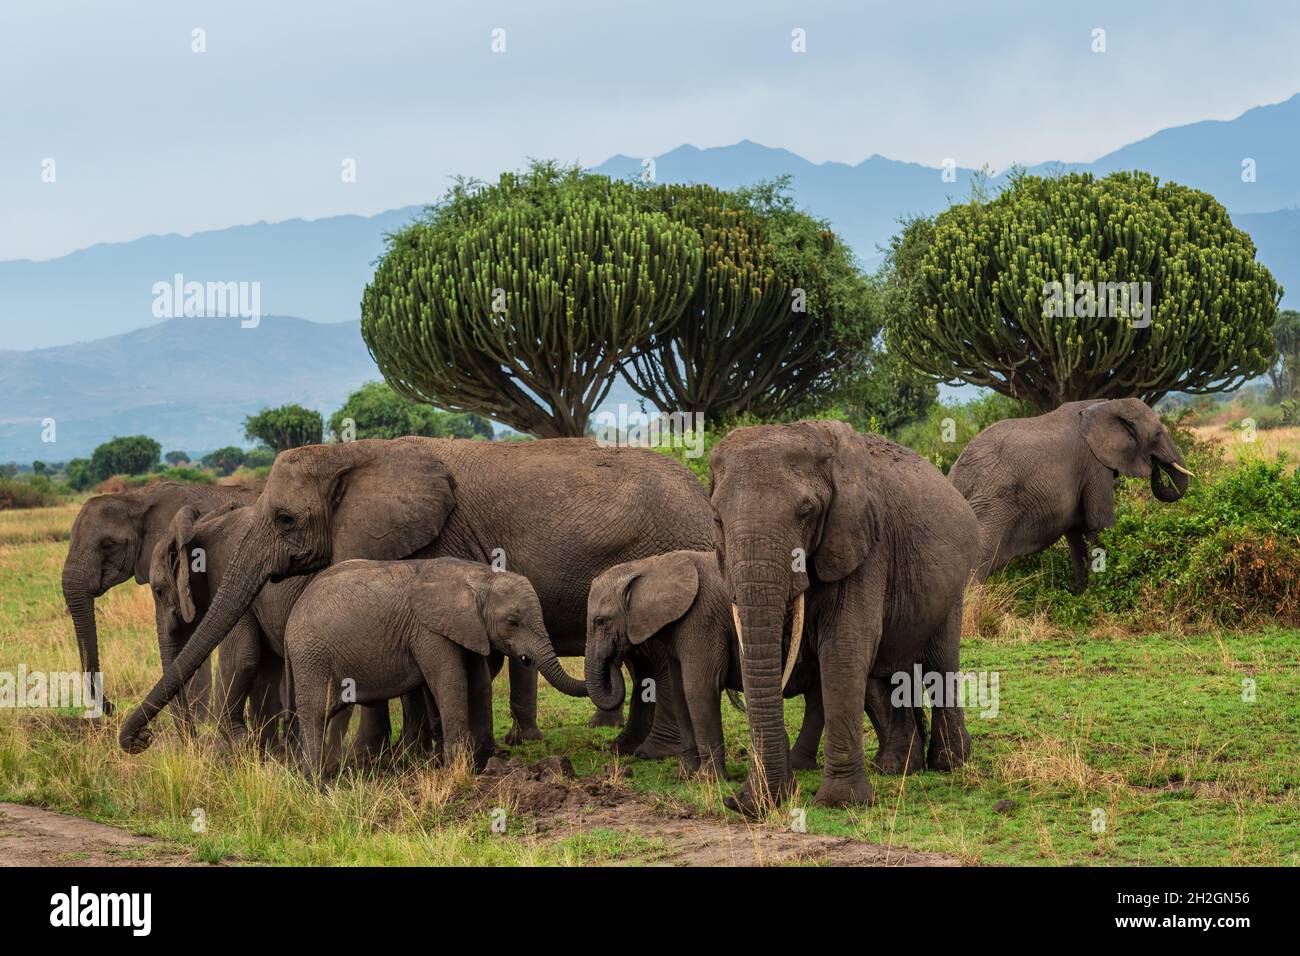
(1266, 444)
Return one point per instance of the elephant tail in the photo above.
(737, 701)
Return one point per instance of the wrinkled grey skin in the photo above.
(680, 601)
(881, 546)
(1032, 480)
(559, 511)
(391, 627)
(112, 541)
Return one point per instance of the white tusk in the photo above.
(1177, 467)
(796, 635)
(735, 616)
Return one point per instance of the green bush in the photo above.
(35, 492)
(132, 455)
(1227, 553)
(941, 435)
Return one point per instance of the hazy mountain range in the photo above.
(190, 382)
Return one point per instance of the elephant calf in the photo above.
(1032, 480)
(680, 600)
(368, 631)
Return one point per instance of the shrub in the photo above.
(35, 492)
(132, 455)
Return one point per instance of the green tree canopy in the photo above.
(285, 427)
(132, 455)
(224, 460)
(376, 411)
(982, 308)
(520, 300)
(757, 336)
(1284, 370)
(174, 458)
(79, 474)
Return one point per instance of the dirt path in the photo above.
(30, 836)
(562, 808)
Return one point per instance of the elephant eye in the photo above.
(600, 622)
(284, 521)
(513, 620)
(806, 508)
(108, 544)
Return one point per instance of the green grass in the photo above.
(1152, 730)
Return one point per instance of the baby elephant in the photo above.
(680, 598)
(368, 631)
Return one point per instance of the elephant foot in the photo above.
(688, 768)
(748, 803)
(518, 734)
(803, 761)
(949, 752)
(657, 748)
(853, 791)
(606, 718)
(895, 763)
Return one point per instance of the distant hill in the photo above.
(188, 383)
(316, 268)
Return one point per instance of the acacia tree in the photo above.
(982, 311)
(757, 334)
(1284, 369)
(520, 301)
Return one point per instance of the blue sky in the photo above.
(148, 136)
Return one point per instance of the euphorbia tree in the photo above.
(1018, 293)
(521, 300)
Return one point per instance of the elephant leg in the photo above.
(701, 707)
(690, 755)
(665, 737)
(523, 704)
(198, 693)
(480, 711)
(418, 716)
(606, 718)
(264, 704)
(803, 755)
(950, 743)
(446, 669)
(848, 639)
(238, 662)
(374, 736)
(1078, 559)
(335, 731)
(900, 737)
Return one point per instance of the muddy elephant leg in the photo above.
(238, 661)
(803, 755)
(1078, 559)
(523, 704)
(950, 743)
(900, 731)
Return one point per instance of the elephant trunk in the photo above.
(762, 586)
(1168, 482)
(79, 592)
(605, 685)
(242, 581)
(548, 664)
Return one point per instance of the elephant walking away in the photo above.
(1032, 480)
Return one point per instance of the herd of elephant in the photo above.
(819, 562)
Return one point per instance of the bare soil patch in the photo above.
(562, 806)
(30, 836)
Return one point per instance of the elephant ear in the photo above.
(662, 589)
(178, 557)
(1112, 430)
(447, 598)
(391, 499)
(850, 525)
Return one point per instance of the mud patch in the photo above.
(560, 807)
(30, 836)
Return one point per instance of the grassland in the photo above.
(1106, 749)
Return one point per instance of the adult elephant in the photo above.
(863, 544)
(1032, 480)
(113, 539)
(558, 511)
